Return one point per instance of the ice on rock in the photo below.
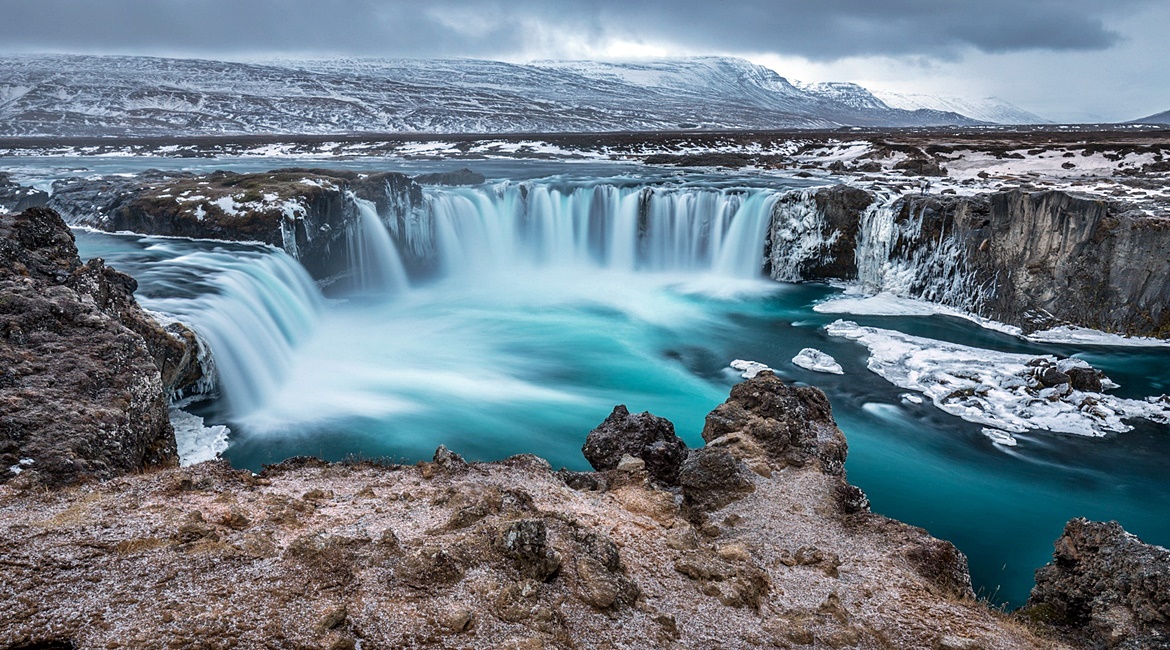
(1000, 390)
(749, 368)
(1000, 437)
(817, 361)
(197, 443)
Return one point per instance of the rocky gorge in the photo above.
(1027, 257)
(753, 540)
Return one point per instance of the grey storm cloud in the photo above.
(821, 30)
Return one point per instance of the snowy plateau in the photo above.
(79, 96)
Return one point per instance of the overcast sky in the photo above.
(1063, 59)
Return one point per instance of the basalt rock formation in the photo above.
(760, 543)
(1031, 259)
(84, 372)
(1105, 585)
(1042, 259)
(309, 213)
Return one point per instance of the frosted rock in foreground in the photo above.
(817, 361)
(758, 542)
(1011, 392)
(749, 368)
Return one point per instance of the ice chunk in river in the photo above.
(749, 368)
(817, 361)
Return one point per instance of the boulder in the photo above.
(1105, 585)
(642, 435)
(793, 425)
(711, 478)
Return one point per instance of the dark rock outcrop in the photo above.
(86, 372)
(841, 207)
(641, 435)
(17, 198)
(1107, 586)
(462, 176)
(307, 212)
(1046, 258)
(793, 425)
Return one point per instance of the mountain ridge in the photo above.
(77, 95)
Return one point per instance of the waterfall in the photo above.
(375, 264)
(251, 307)
(510, 226)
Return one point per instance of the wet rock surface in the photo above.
(1105, 585)
(85, 372)
(452, 554)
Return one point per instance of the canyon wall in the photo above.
(1034, 260)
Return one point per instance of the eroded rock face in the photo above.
(750, 547)
(840, 209)
(1107, 585)
(642, 435)
(17, 198)
(82, 389)
(1030, 259)
(1042, 259)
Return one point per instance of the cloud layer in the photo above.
(824, 30)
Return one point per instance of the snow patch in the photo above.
(1083, 336)
(1000, 437)
(817, 361)
(749, 368)
(997, 389)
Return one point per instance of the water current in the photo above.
(540, 319)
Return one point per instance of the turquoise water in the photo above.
(528, 361)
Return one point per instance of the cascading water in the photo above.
(254, 306)
(485, 230)
(515, 355)
(375, 264)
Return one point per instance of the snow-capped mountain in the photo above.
(846, 93)
(986, 109)
(70, 95)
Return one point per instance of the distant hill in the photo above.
(71, 95)
(1160, 118)
(986, 109)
